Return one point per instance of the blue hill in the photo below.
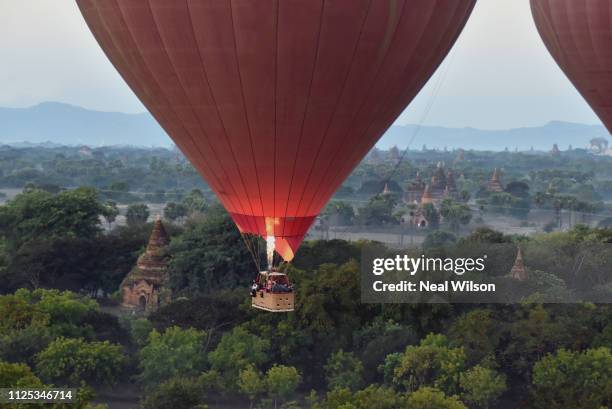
(59, 123)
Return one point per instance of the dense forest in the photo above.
(63, 255)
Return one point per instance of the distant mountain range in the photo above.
(65, 124)
(54, 123)
(539, 137)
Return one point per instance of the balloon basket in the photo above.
(275, 294)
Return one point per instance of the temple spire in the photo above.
(427, 197)
(494, 184)
(518, 271)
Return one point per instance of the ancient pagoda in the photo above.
(418, 216)
(143, 287)
(518, 271)
(414, 190)
(494, 184)
(427, 197)
(438, 180)
(555, 150)
(386, 191)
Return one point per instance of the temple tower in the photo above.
(143, 287)
(494, 184)
(518, 271)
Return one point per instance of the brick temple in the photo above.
(518, 271)
(143, 287)
(441, 185)
(494, 184)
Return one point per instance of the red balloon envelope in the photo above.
(578, 34)
(275, 101)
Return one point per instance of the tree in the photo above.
(20, 376)
(175, 393)
(209, 255)
(174, 211)
(238, 350)
(432, 363)
(137, 214)
(195, 202)
(568, 379)
(387, 368)
(339, 213)
(431, 398)
(69, 361)
(17, 375)
(430, 213)
(73, 263)
(30, 320)
(140, 329)
(438, 238)
(344, 370)
(39, 215)
(110, 212)
(455, 214)
(251, 383)
(532, 337)
(505, 203)
(316, 252)
(175, 352)
(379, 211)
(373, 396)
(482, 386)
(477, 333)
(518, 189)
(281, 382)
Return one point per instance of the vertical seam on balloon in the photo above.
(431, 56)
(229, 145)
(593, 92)
(590, 30)
(244, 107)
(184, 92)
(586, 90)
(365, 98)
(545, 20)
(275, 109)
(400, 96)
(337, 104)
(144, 67)
(571, 37)
(306, 107)
(212, 96)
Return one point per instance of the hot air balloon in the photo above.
(578, 34)
(274, 102)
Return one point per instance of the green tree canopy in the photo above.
(236, 351)
(38, 215)
(175, 393)
(482, 386)
(432, 363)
(455, 214)
(568, 379)
(431, 398)
(175, 352)
(70, 361)
(344, 370)
(251, 382)
(137, 214)
(210, 255)
(281, 382)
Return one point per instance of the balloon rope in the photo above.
(248, 246)
(434, 93)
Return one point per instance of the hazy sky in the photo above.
(499, 75)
